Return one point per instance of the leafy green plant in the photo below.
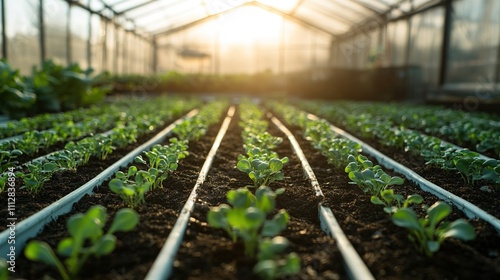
(191, 129)
(66, 159)
(245, 216)
(132, 191)
(7, 159)
(4, 269)
(260, 170)
(271, 264)
(428, 233)
(392, 202)
(39, 173)
(371, 179)
(15, 95)
(87, 238)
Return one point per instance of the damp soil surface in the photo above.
(64, 182)
(482, 194)
(208, 253)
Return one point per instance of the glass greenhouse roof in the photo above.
(334, 17)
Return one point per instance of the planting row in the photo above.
(426, 232)
(150, 171)
(475, 169)
(167, 209)
(478, 131)
(381, 240)
(97, 149)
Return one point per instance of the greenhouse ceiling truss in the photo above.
(349, 15)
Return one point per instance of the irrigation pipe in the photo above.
(470, 210)
(34, 224)
(163, 264)
(355, 266)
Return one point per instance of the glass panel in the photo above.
(96, 5)
(474, 41)
(426, 39)
(23, 42)
(397, 40)
(97, 45)
(286, 6)
(153, 8)
(326, 22)
(56, 21)
(120, 47)
(79, 36)
(110, 47)
(125, 5)
(338, 10)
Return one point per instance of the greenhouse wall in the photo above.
(426, 49)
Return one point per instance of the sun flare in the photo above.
(248, 24)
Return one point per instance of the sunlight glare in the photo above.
(247, 24)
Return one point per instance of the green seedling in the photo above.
(271, 263)
(66, 159)
(87, 238)
(392, 202)
(371, 179)
(428, 233)
(261, 171)
(7, 158)
(132, 191)
(245, 216)
(39, 173)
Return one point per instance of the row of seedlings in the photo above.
(427, 228)
(477, 131)
(475, 169)
(143, 179)
(246, 216)
(32, 177)
(46, 121)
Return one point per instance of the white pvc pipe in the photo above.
(354, 265)
(34, 224)
(470, 210)
(164, 262)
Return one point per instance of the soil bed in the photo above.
(384, 247)
(136, 250)
(208, 253)
(449, 180)
(64, 182)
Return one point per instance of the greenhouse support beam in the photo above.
(118, 13)
(446, 43)
(292, 17)
(41, 25)
(4, 35)
(169, 31)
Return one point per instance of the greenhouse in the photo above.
(250, 139)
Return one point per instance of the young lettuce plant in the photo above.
(429, 232)
(271, 264)
(392, 202)
(7, 158)
(371, 179)
(87, 238)
(261, 171)
(39, 173)
(132, 191)
(245, 216)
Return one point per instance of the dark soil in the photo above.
(136, 250)
(64, 182)
(384, 247)
(449, 180)
(207, 253)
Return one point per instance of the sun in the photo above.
(249, 24)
